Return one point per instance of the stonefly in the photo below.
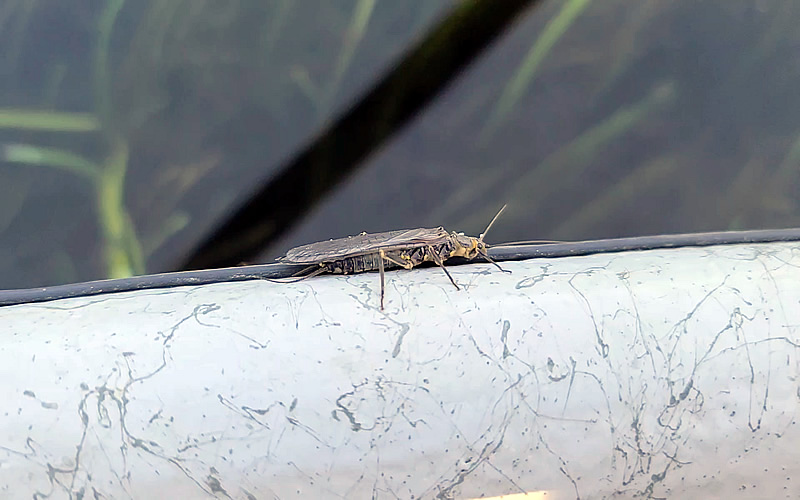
(378, 251)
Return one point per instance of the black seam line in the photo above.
(497, 252)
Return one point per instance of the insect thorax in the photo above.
(457, 245)
(465, 246)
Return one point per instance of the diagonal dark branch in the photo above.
(421, 74)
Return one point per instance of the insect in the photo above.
(405, 248)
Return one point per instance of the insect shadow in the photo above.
(404, 248)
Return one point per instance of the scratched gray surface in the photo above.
(668, 373)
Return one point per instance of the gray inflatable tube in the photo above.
(665, 373)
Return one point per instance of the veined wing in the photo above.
(351, 246)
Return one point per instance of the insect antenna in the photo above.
(480, 241)
(480, 238)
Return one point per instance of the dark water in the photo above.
(647, 118)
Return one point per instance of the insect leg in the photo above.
(321, 268)
(380, 268)
(486, 256)
(384, 257)
(438, 260)
(407, 265)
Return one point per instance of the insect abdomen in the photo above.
(359, 264)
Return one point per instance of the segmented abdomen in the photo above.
(372, 261)
(360, 264)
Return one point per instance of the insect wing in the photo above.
(362, 244)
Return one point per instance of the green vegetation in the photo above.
(520, 82)
(121, 247)
(126, 88)
(126, 124)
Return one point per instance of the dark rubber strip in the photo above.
(498, 252)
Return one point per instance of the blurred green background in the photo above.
(128, 130)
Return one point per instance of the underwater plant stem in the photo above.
(564, 166)
(121, 250)
(102, 74)
(47, 121)
(353, 37)
(59, 159)
(526, 72)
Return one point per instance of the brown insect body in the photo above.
(378, 251)
(409, 256)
